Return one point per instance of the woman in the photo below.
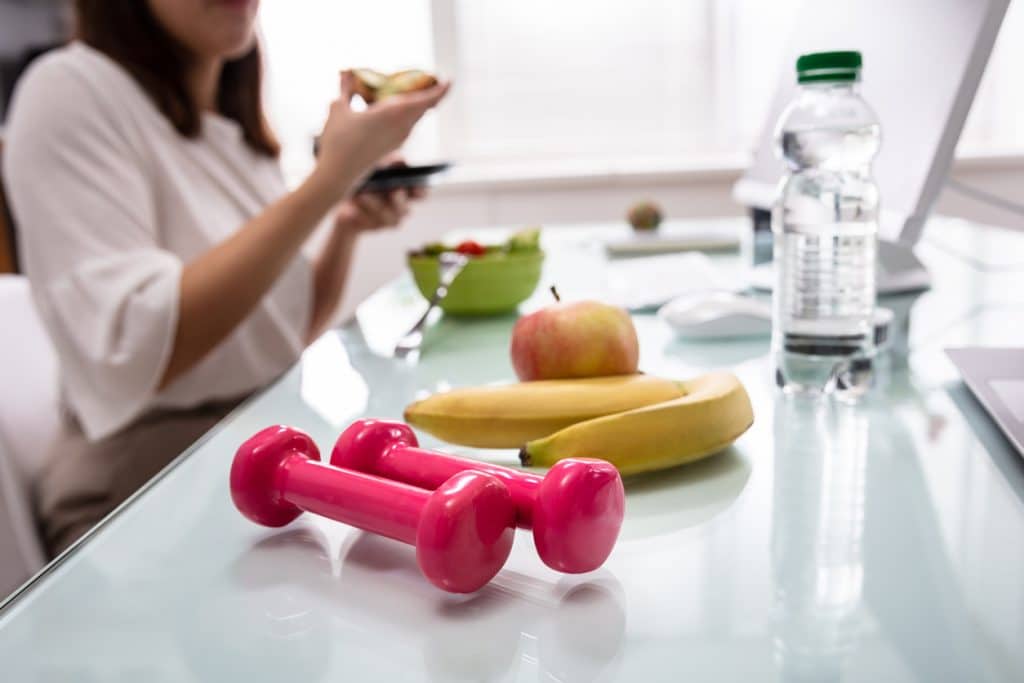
(168, 262)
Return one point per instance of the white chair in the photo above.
(29, 420)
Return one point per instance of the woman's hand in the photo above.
(374, 210)
(352, 142)
(371, 211)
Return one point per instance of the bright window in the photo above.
(996, 122)
(586, 80)
(545, 80)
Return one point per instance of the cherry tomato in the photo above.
(471, 248)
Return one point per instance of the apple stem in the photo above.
(554, 293)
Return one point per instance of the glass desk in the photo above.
(879, 542)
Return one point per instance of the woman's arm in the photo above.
(221, 287)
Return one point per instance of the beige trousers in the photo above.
(83, 481)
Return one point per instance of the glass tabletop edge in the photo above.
(52, 565)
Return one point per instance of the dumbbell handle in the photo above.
(429, 469)
(352, 498)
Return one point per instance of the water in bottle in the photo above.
(825, 225)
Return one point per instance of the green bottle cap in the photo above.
(824, 67)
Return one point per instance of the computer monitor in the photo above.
(923, 60)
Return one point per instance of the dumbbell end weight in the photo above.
(465, 533)
(577, 514)
(256, 469)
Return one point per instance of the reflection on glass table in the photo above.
(821, 450)
(855, 558)
(516, 621)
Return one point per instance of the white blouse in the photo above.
(110, 202)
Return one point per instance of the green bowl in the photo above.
(488, 285)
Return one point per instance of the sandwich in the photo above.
(374, 86)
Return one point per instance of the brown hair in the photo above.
(127, 32)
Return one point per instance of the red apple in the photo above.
(575, 339)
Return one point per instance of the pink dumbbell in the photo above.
(463, 531)
(575, 511)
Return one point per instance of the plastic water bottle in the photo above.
(825, 225)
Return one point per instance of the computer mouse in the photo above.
(716, 315)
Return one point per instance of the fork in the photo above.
(450, 264)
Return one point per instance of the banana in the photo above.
(510, 415)
(712, 414)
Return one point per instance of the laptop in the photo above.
(996, 378)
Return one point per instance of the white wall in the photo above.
(606, 197)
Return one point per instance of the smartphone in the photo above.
(395, 177)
